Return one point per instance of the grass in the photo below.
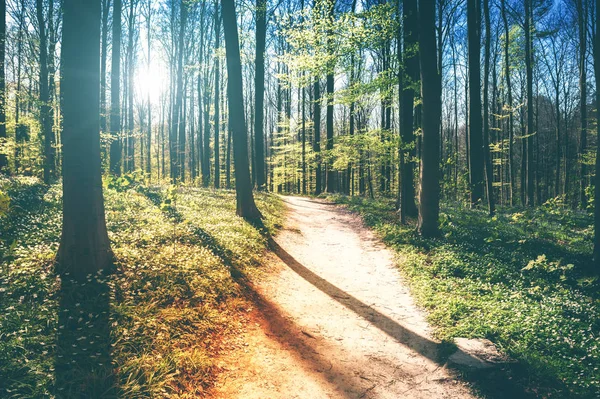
(149, 330)
(520, 279)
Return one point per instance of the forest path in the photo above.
(334, 319)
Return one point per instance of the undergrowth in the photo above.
(152, 328)
(521, 279)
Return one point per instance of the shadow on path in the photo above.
(495, 382)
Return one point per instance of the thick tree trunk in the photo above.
(115, 92)
(431, 87)
(476, 168)
(246, 207)
(84, 246)
(103, 54)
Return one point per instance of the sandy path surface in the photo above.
(334, 320)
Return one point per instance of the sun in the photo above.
(151, 82)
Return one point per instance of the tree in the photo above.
(431, 87)
(529, 73)
(329, 84)
(410, 58)
(486, 111)
(45, 118)
(115, 92)
(217, 88)
(246, 207)
(3, 157)
(475, 128)
(582, 28)
(259, 93)
(597, 165)
(84, 245)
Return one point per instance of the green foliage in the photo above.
(171, 297)
(519, 279)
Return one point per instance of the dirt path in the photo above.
(334, 320)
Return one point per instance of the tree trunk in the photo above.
(115, 92)
(597, 166)
(408, 207)
(330, 88)
(3, 157)
(432, 107)
(246, 207)
(486, 116)
(530, 130)
(104, 49)
(84, 245)
(582, 22)
(217, 116)
(45, 109)
(317, 136)
(476, 167)
(259, 92)
(178, 113)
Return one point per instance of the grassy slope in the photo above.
(516, 279)
(172, 297)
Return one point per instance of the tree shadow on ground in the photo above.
(493, 383)
(83, 364)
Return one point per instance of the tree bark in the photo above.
(3, 157)
(582, 24)
(330, 89)
(259, 93)
(486, 112)
(84, 246)
(476, 168)
(317, 136)
(530, 130)
(246, 207)
(115, 92)
(408, 207)
(217, 116)
(45, 109)
(432, 107)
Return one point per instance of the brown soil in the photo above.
(334, 319)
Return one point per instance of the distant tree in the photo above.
(3, 157)
(259, 93)
(429, 196)
(246, 207)
(84, 245)
(45, 109)
(597, 166)
(115, 92)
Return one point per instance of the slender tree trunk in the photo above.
(476, 168)
(511, 167)
(217, 116)
(115, 92)
(317, 136)
(103, 54)
(432, 107)
(246, 207)
(330, 88)
(530, 130)
(149, 127)
(84, 245)
(3, 157)
(582, 22)
(178, 126)
(408, 207)
(597, 166)
(259, 92)
(45, 108)
(486, 115)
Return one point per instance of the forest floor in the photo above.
(334, 319)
